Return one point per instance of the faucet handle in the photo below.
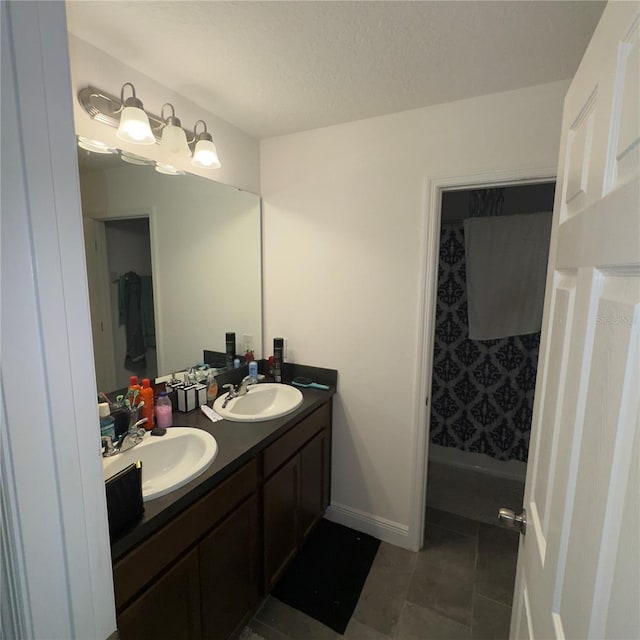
(248, 381)
(107, 446)
(231, 388)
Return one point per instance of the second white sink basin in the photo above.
(168, 461)
(263, 401)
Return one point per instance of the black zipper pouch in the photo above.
(124, 499)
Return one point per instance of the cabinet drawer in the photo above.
(138, 568)
(276, 454)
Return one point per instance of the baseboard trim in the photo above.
(381, 528)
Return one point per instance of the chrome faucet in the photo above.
(130, 439)
(236, 392)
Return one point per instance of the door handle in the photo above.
(509, 518)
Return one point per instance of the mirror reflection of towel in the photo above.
(130, 296)
(146, 309)
(506, 260)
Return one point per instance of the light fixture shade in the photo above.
(134, 126)
(174, 141)
(95, 146)
(132, 158)
(168, 169)
(205, 155)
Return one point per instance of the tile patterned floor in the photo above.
(458, 587)
(471, 493)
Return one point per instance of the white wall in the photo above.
(344, 214)
(238, 152)
(205, 252)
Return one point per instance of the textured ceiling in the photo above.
(272, 68)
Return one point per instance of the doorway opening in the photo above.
(120, 275)
(481, 397)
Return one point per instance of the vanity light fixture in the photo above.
(95, 146)
(132, 158)
(205, 154)
(137, 126)
(174, 139)
(134, 124)
(168, 169)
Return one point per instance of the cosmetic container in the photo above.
(212, 385)
(146, 394)
(107, 423)
(278, 349)
(164, 411)
(230, 348)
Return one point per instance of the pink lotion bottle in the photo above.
(164, 412)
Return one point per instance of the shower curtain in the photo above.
(482, 390)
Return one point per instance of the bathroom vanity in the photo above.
(202, 558)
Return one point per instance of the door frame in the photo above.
(150, 213)
(434, 189)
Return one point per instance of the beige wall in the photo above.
(345, 211)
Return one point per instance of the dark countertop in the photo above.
(237, 442)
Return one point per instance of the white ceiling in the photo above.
(272, 68)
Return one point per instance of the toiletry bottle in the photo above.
(164, 412)
(278, 347)
(107, 423)
(230, 348)
(253, 370)
(212, 385)
(146, 394)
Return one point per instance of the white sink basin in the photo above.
(263, 401)
(168, 461)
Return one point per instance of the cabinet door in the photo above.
(229, 573)
(314, 496)
(280, 502)
(169, 609)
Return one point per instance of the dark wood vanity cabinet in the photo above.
(169, 608)
(296, 488)
(230, 573)
(199, 576)
(204, 573)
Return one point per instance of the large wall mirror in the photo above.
(195, 247)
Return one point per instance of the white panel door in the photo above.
(579, 562)
(95, 246)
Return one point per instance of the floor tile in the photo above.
(266, 631)
(452, 521)
(358, 631)
(471, 493)
(444, 574)
(491, 619)
(497, 559)
(293, 623)
(418, 623)
(386, 588)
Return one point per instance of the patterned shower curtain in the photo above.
(482, 391)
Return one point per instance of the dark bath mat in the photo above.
(327, 576)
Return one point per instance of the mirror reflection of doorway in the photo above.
(118, 253)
